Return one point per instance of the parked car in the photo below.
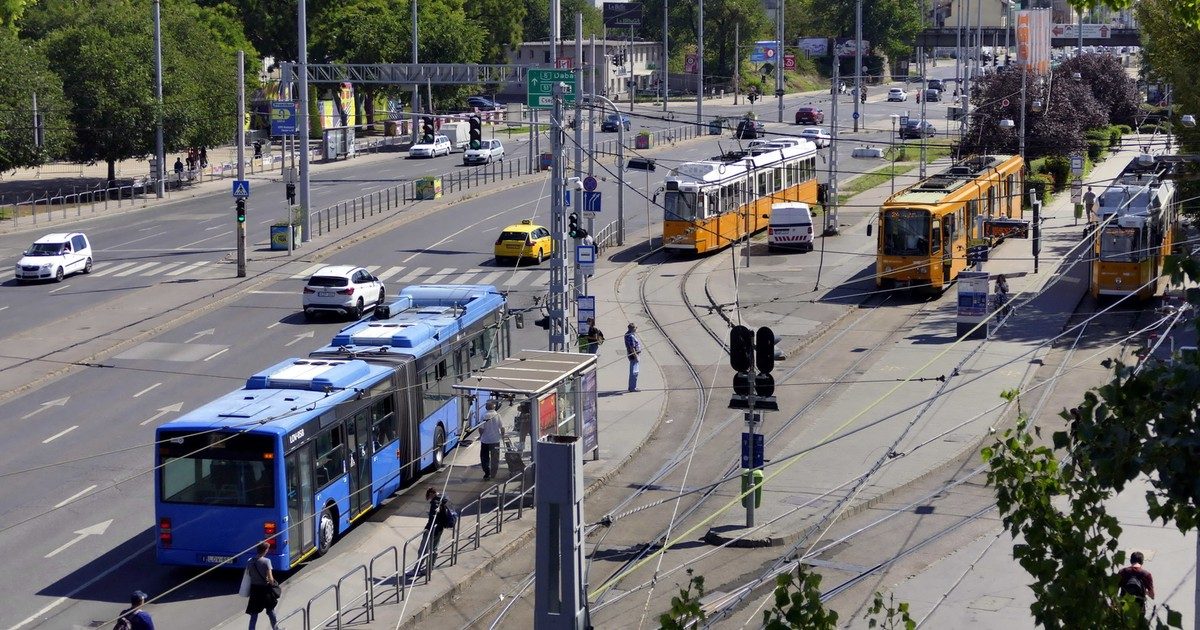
(55, 256)
(936, 84)
(488, 151)
(342, 289)
(483, 102)
(523, 241)
(817, 136)
(810, 116)
(897, 95)
(933, 96)
(917, 129)
(790, 227)
(440, 146)
(612, 121)
(749, 129)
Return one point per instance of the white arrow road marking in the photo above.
(39, 615)
(162, 411)
(75, 496)
(95, 530)
(59, 434)
(46, 405)
(200, 334)
(299, 338)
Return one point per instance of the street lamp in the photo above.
(894, 117)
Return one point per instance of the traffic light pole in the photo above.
(558, 304)
(241, 155)
(751, 422)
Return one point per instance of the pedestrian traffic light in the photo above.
(427, 129)
(241, 210)
(574, 230)
(822, 193)
(476, 132)
(741, 349)
(616, 60)
(291, 192)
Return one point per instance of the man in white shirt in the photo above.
(491, 432)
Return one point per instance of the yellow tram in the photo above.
(709, 205)
(1136, 223)
(924, 230)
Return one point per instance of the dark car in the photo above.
(917, 129)
(933, 96)
(809, 116)
(936, 84)
(483, 102)
(612, 121)
(748, 129)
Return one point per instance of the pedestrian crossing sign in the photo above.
(241, 189)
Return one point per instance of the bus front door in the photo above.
(358, 442)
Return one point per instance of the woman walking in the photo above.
(264, 590)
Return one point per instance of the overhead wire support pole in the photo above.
(579, 278)
(700, 66)
(663, 70)
(858, 73)
(416, 97)
(241, 158)
(558, 306)
(302, 42)
(831, 219)
(779, 87)
(159, 151)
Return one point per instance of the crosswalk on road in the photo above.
(502, 278)
(199, 269)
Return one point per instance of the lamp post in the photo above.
(894, 117)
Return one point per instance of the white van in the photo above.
(791, 227)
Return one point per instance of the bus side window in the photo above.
(331, 456)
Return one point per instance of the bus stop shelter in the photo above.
(556, 391)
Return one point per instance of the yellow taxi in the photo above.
(523, 241)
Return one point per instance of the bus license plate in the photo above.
(217, 559)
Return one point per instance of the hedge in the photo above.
(1040, 182)
(1058, 167)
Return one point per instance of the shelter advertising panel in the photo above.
(588, 420)
(547, 414)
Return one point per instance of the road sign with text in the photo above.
(540, 87)
(283, 118)
(623, 14)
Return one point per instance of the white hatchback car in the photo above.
(488, 151)
(342, 289)
(440, 146)
(897, 94)
(817, 136)
(55, 256)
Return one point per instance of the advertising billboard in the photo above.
(814, 46)
(846, 48)
(1033, 40)
(765, 51)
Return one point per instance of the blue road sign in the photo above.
(283, 118)
(752, 456)
(855, 116)
(589, 183)
(591, 201)
(241, 189)
(567, 197)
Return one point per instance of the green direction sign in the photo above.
(540, 82)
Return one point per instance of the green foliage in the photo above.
(1124, 129)
(1148, 129)
(10, 12)
(25, 71)
(1058, 167)
(1040, 182)
(896, 615)
(891, 26)
(685, 607)
(798, 604)
(502, 20)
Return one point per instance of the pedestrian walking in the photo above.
(594, 337)
(491, 432)
(1001, 293)
(524, 425)
(264, 590)
(203, 157)
(1089, 202)
(1135, 581)
(191, 163)
(633, 350)
(134, 618)
(432, 539)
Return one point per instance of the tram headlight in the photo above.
(1117, 280)
(924, 270)
(887, 270)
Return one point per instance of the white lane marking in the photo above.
(389, 272)
(408, 277)
(299, 338)
(217, 227)
(208, 332)
(469, 227)
(216, 354)
(137, 269)
(3, 307)
(65, 286)
(59, 434)
(57, 402)
(75, 496)
(192, 267)
(120, 245)
(491, 278)
(108, 270)
(371, 269)
(273, 325)
(82, 587)
(225, 233)
(307, 272)
(437, 277)
(95, 530)
(147, 390)
(274, 293)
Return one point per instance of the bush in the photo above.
(1096, 149)
(1058, 167)
(1125, 129)
(1150, 129)
(1040, 182)
(1114, 136)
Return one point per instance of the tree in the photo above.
(1185, 13)
(536, 22)
(890, 26)
(1171, 51)
(24, 71)
(503, 30)
(270, 24)
(1113, 89)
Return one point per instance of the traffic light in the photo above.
(427, 129)
(616, 60)
(574, 230)
(753, 95)
(291, 192)
(241, 210)
(764, 360)
(741, 349)
(476, 132)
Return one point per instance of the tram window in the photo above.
(331, 456)
(1119, 244)
(935, 238)
(778, 180)
(762, 184)
(991, 201)
(906, 233)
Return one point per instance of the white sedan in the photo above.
(488, 150)
(897, 94)
(817, 136)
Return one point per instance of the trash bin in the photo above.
(429, 188)
(279, 234)
(546, 160)
(714, 128)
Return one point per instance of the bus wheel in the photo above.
(326, 532)
(439, 447)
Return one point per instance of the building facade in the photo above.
(620, 65)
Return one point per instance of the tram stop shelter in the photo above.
(555, 392)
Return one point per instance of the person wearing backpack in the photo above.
(441, 516)
(1135, 581)
(134, 618)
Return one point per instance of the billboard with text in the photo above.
(814, 46)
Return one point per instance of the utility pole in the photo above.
(629, 80)
(858, 78)
(778, 61)
(241, 159)
(555, 30)
(923, 94)
(1079, 46)
(666, 55)
(578, 101)
(592, 120)
(159, 151)
(416, 97)
(831, 221)
(737, 60)
(1024, 79)
(305, 223)
(37, 125)
(559, 306)
(699, 67)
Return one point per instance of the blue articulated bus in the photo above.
(310, 445)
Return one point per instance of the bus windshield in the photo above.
(217, 468)
(906, 232)
(1119, 244)
(679, 206)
